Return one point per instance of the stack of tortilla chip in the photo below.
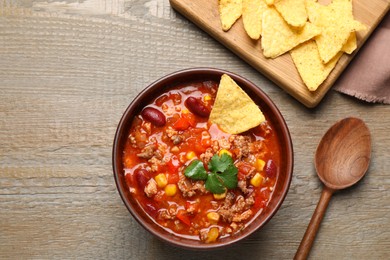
(315, 35)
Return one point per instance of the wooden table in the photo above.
(68, 70)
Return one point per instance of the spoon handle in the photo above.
(311, 231)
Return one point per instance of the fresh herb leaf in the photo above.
(229, 177)
(222, 175)
(220, 163)
(214, 184)
(196, 170)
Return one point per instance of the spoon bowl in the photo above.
(342, 159)
(343, 155)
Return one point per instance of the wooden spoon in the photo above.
(341, 160)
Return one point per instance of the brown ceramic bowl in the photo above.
(268, 108)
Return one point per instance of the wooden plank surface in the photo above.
(281, 70)
(69, 69)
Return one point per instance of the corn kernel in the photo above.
(190, 155)
(220, 196)
(259, 165)
(213, 217)
(207, 97)
(161, 180)
(185, 111)
(257, 180)
(224, 151)
(170, 189)
(212, 235)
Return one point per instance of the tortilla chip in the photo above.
(350, 45)
(234, 111)
(229, 12)
(252, 13)
(278, 37)
(293, 11)
(336, 21)
(310, 66)
(269, 2)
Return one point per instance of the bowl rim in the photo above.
(184, 73)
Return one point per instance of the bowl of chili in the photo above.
(188, 182)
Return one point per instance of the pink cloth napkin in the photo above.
(367, 77)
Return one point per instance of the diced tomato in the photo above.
(199, 148)
(173, 165)
(183, 217)
(190, 118)
(244, 168)
(181, 124)
(206, 143)
(173, 178)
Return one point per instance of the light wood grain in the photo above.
(281, 70)
(68, 70)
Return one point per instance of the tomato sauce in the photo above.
(170, 133)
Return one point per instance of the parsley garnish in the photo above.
(222, 175)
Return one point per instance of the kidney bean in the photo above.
(142, 176)
(270, 169)
(154, 116)
(197, 107)
(151, 209)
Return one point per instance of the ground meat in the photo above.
(185, 186)
(174, 136)
(151, 188)
(203, 235)
(240, 146)
(189, 187)
(249, 201)
(215, 146)
(243, 186)
(170, 132)
(147, 152)
(233, 212)
(177, 139)
(164, 214)
(239, 204)
(224, 144)
(229, 199)
(156, 163)
(206, 156)
(159, 154)
(226, 214)
(243, 216)
(200, 187)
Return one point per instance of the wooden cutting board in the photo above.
(281, 70)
